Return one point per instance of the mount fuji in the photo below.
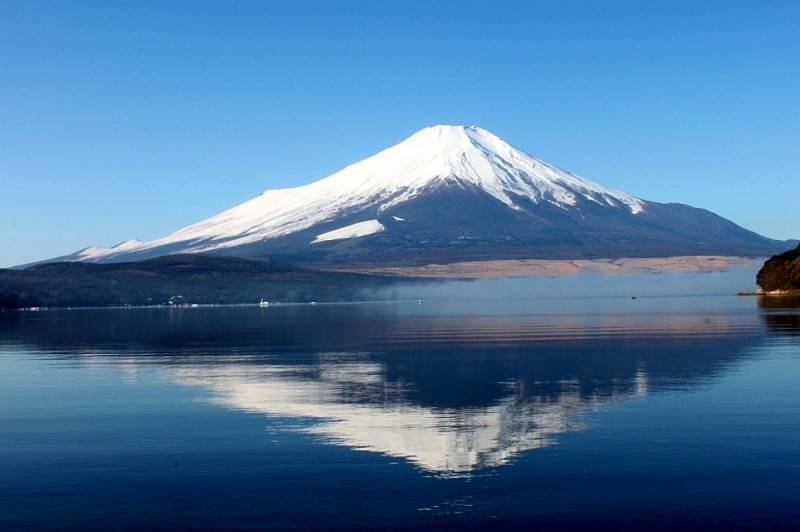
(448, 194)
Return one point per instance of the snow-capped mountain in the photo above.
(447, 193)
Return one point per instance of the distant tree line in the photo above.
(179, 280)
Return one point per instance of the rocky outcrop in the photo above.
(781, 272)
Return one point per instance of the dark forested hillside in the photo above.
(181, 279)
(781, 272)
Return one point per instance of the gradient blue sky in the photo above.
(133, 119)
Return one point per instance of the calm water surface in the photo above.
(515, 412)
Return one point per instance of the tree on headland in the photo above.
(781, 272)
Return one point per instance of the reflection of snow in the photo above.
(357, 408)
(641, 382)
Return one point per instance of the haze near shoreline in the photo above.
(557, 268)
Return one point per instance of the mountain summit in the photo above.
(445, 194)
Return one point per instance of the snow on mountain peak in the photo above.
(471, 155)
(435, 156)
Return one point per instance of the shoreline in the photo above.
(770, 293)
(559, 268)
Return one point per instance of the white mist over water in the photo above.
(584, 286)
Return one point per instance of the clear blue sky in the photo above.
(133, 119)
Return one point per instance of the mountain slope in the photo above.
(447, 193)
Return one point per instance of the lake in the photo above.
(649, 401)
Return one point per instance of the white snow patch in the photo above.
(351, 231)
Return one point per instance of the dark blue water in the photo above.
(515, 412)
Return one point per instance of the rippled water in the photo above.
(517, 411)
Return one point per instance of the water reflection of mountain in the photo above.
(450, 393)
